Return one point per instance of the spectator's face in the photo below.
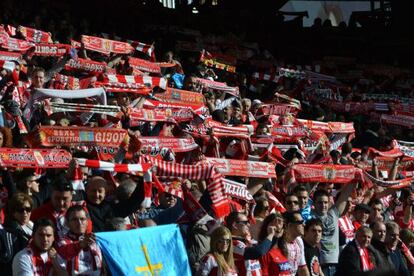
(44, 238)
(246, 106)
(228, 111)
(61, 200)
(167, 200)
(329, 188)
(364, 238)
(361, 216)
(32, 184)
(278, 223)
(223, 244)
(241, 226)
(376, 212)
(78, 222)
(392, 237)
(95, 193)
(322, 204)
(22, 214)
(292, 203)
(296, 228)
(211, 100)
(303, 199)
(38, 79)
(237, 112)
(379, 232)
(262, 131)
(314, 234)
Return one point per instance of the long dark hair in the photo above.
(279, 242)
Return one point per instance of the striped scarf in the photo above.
(144, 48)
(141, 168)
(366, 263)
(110, 110)
(142, 81)
(215, 185)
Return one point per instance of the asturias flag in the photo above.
(147, 251)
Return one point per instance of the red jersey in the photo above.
(274, 263)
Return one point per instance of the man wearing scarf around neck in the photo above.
(78, 247)
(39, 257)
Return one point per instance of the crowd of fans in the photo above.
(336, 134)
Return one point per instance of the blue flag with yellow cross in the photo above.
(151, 251)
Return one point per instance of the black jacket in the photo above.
(349, 260)
(100, 213)
(384, 255)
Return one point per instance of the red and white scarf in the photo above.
(395, 184)
(106, 46)
(238, 190)
(14, 44)
(175, 144)
(145, 81)
(40, 268)
(111, 110)
(9, 56)
(180, 96)
(51, 136)
(215, 185)
(326, 173)
(34, 35)
(144, 65)
(233, 167)
(346, 226)
(34, 158)
(365, 259)
(86, 65)
(222, 86)
(72, 259)
(144, 48)
(51, 50)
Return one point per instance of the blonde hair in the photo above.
(224, 260)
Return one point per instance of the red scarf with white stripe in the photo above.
(144, 81)
(366, 263)
(346, 226)
(73, 261)
(215, 185)
(40, 268)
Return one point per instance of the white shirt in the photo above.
(23, 263)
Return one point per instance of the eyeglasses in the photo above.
(298, 222)
(224, 241)
(27, 209)
(245, 222)
(292, 202)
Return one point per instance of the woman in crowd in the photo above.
(275, 262)
(18, 218)
(220, 259)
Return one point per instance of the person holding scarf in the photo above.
(358, 255)
(39, 257)
(79, 248)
